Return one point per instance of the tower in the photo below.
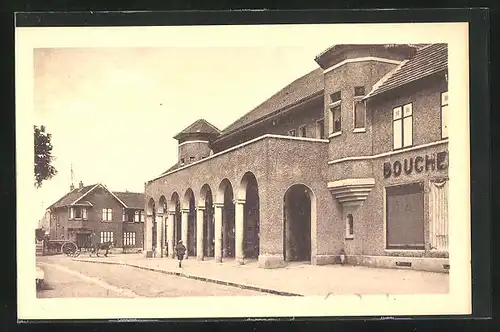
(194, 141)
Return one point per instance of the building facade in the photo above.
(351, 157)
(95, 210)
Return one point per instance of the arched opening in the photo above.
(228, 230)
(206, 201)
(152, 216)
(297, 210)
(191, 222)
(176, 204)
(162, 211)
(249, 191)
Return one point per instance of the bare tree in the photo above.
(43, 156)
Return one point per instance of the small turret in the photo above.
(194, 141)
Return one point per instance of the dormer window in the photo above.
(182, 161)
(292, 133)
(191, 159)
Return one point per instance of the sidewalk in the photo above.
(300, 279)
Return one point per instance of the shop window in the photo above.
(349, 227)
(359, 91)
(359, 115)
(402, 126)
(320, 129)
(107, 214)
(405, 217)
(129, 239)
(444, 114)
(302, 131)
(106, 237)
(335, 97)
(335, 120)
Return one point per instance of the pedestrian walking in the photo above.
(180, 250)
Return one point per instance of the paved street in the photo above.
(67, 278)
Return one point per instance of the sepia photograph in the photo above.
(243, 171)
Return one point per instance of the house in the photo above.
(111, 216)
(351, 157)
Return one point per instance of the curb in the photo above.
(194, 277)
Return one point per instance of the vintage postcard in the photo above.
(243, 171)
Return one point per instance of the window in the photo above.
(335, 122)
(129, 238)
(71, 213)
(78, 213)
(405, 217)
(84, 213)
(335, 97)
(136, 216)
(142, 216)
(106, 237)
(359, 115)
(291, 132)
(320, 129)
(107, 214)
(359, 91)
(349, 227)
(124, 215)
(402, 126)
(444, 114)
(191, 159)
(303, 132)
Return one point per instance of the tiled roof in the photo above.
(174, 166)
(200, 126)
(72, 196)
(298, 90)
(428, 60)
(132, 200)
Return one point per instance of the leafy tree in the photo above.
(43, 156)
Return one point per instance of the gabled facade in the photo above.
(351, 157)
(110, 216)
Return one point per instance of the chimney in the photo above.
(72, 187)
(81, 184)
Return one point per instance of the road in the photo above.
(67, 278)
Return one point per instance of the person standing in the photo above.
(180, 250)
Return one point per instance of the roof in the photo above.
(428, 60)
(300, 89)
(128, 200)
(132, 200)
(174, 166)
(72, 196)
(200, 126)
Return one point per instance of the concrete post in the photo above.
(199, 232)
(218, 232)
(239, 230)
(184, 222)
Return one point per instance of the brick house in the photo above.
(350, 157)
(111, 216)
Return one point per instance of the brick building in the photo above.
(351, 156)
(111, 216)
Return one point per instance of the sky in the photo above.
(113, 112)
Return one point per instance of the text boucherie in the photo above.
(416, 164)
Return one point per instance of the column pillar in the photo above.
(149, 235)
(199, 232)
(184, 222)
(218, 232)
(159, 230)
(170, 234)
(239, 229)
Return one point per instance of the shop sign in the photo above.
(418, 164)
